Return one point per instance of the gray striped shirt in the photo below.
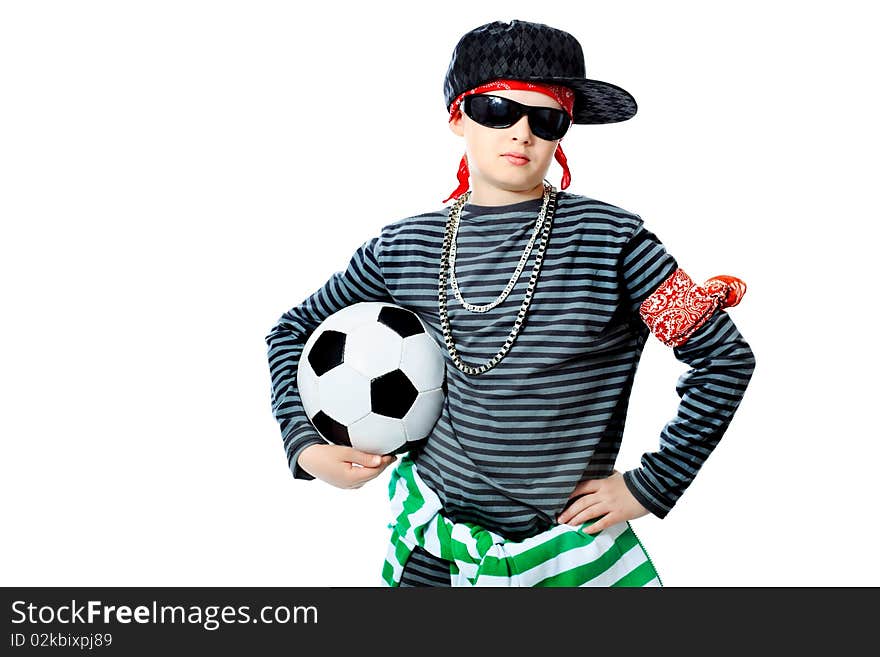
(512, 443)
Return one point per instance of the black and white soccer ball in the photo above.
(371, 377)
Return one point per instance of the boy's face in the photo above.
(486, 147)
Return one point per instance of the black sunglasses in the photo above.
(499, 112)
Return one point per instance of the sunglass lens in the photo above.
(549, 124)
(491, 111)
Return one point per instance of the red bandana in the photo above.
(678, 307)
(562, 95)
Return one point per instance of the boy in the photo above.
(515, 485)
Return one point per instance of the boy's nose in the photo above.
(522, 128)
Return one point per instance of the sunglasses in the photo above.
(499, 112)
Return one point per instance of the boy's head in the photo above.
(534, 65)
(505, 118)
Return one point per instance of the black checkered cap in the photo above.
(534, 52)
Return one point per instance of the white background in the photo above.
(176, 175)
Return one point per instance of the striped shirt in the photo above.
(512, 443)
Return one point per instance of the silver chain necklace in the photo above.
(516, 274)
(548, 208)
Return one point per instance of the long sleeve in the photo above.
(362, 280)
(721, 365)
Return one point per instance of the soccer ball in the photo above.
(371, 377)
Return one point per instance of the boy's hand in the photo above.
(343, 467)
(608, 498)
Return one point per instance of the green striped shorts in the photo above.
(560, 556)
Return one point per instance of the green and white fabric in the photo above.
(560, 556)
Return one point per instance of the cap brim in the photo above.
(597, 101)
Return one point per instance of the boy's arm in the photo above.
(362, 280)
(705, 338)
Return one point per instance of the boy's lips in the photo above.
(516, 158)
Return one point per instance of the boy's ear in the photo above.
(456, 126)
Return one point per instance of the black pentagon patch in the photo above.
(331, 429)
(401, 321)
(392, 394)
(327, 352)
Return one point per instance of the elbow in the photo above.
(283, 332)
(744, 357)
(273, 335)
(273, 340)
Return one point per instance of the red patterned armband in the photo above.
(679, 307)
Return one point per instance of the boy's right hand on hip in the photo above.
(343, 467)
